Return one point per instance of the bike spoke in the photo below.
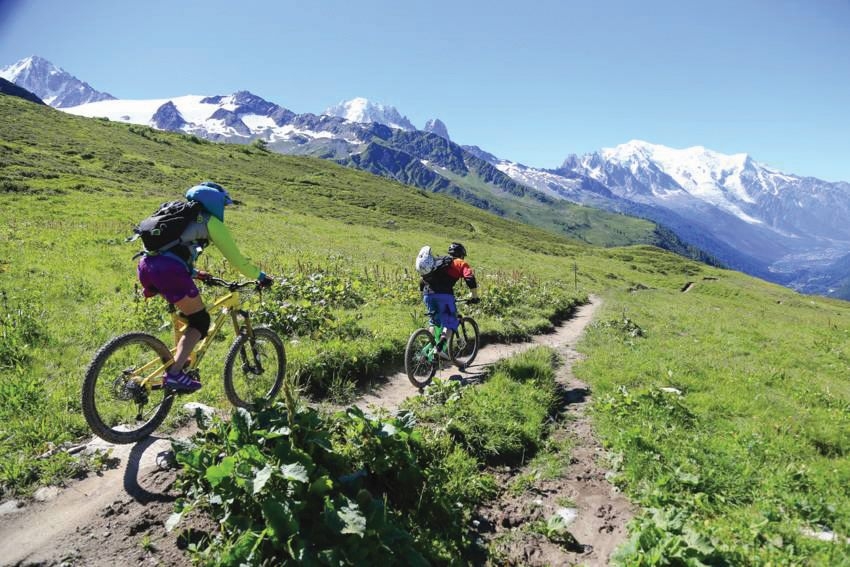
(118, 405)
(421, 359)
(254, 368)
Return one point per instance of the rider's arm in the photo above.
(221, 237)
(468, 275)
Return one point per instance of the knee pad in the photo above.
(200, 321)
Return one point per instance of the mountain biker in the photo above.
(170, 274)
(437, 290)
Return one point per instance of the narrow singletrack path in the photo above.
(101, 519)
(397, 387)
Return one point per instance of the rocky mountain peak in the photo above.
(363, 110)
(436, 126)
(53, 85)
(167, 117)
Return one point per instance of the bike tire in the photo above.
(420, 366)
(107, 395)
(245, 388)
(465, 342)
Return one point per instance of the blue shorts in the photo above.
(442, 310)
(167, 276)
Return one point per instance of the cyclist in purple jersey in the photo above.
(170, 273)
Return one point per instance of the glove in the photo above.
(473, 300)
(264, 280)
(201, 275)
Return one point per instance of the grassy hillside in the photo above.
(745, 455)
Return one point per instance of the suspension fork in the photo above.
(255, 365)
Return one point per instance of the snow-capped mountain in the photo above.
(365, 111)
(50, 83)
(414, 157)
(647, 172)
(241, 118)
(775, 225)
(788, 206)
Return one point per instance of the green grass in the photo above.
(754, 451)
(752, 446)
(504, 420)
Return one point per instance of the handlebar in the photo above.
(231, 286)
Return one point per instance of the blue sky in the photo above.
(529, 81)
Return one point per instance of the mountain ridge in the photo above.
(415, 157)
(11, 89)
(50, 83)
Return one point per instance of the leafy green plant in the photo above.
(556, 529)
(659, 538)
(303, 305)
(293, 487)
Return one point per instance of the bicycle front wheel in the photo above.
(464, 343)
(117, 405)
(420, 358)
(254, 368)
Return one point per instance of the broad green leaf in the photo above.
(353, 521)
(295, 471)
(281, 522)
(217, 473)
(252, 454)
(241, 423)
(273, 433)
(321, 485)
(261, 478)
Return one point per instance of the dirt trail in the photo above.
(397, 387)
(118, 516)
(595, 511)
(101, 519)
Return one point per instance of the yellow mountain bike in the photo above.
(124, 399)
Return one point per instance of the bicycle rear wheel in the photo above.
(464, 343)
(260, 366)
(116, 406)
(420, 358)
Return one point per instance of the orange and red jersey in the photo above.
(443, 279)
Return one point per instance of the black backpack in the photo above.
(163, 228)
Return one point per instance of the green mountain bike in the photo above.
(422, 360)
(124, 399)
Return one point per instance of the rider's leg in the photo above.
(447, 336)
(191, 337)
(443, 344)
(449, 318)
(432, 306)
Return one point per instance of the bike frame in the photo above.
(438, 329)
(150, 376)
